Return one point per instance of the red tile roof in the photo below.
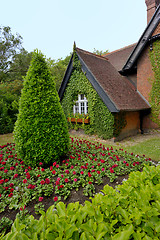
(118, 88)
(119, 57)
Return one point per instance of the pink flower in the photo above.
(40, 199)
(66, 180)
(58, 179)
(67, 171)
(124, 161)
(55, 199)
(74, 172)
(75, 179)
(98, 172)
(57, 183)
(103, 169)
(57, 166)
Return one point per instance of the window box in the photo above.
(79, 120)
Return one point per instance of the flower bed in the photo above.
(87, 164)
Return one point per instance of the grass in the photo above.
(150, 148)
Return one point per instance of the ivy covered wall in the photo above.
(155, 91)
(101, 119)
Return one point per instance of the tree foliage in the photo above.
(40, 132)
(10, 45)
(100, 52)
(58, 69)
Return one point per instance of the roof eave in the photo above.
(142, 41)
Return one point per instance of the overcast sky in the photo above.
(52, 26)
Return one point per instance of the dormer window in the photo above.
(81, 105)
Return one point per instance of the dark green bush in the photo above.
(40, 132)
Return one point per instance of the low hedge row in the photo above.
(131, 211)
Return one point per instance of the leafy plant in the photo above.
(40, 132)
(129, 212)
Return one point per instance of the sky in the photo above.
(52, 26)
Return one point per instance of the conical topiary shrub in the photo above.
(40, 132)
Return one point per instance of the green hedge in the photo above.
(41, 133)
(132, 211)
(101, 119)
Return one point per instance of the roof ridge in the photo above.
(96, 55)
(120, 49)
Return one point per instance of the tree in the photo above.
(10, 45)
(41, 133)
(19, 65)
(101, 52)
(58, 69)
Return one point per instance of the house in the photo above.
(119, 91)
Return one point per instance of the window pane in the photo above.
(82, 96)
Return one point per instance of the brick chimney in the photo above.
(151, 8)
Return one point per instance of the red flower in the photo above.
(5, 171)
(6, 180)
(137, 163)
(57, 166)
(82, 172)
(66, 180)
(42, 169)
(38, 175)
(93, 170)
(103, 169)
(54, 164)
(25, 181)
(47, 180)
(134, 164)
(74, 172)
(127, 164)
(15, 176)
(42, 182)
(22, 208)
(57, 183)
(98, 172)
(98, 164)
(61, 186)
(40, 199)
(11, 185)
(51, 168)
(40, 163)
(102, 161)
(12, 189)
(124, 161)
(0, 195)
(54, 172)
(12, 168)
(90, 182)
(111, 170)
(55, 199)
(67, 171)
(10, 195)
(89, 174)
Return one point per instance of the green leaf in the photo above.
(61, 209)
(124, 235)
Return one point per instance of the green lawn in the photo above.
(150, 148)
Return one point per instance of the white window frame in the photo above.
(77, 108)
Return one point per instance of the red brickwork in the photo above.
(157, 31)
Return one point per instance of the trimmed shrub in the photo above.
(40, 131)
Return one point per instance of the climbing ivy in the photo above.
(101, 119)
(155, 91)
